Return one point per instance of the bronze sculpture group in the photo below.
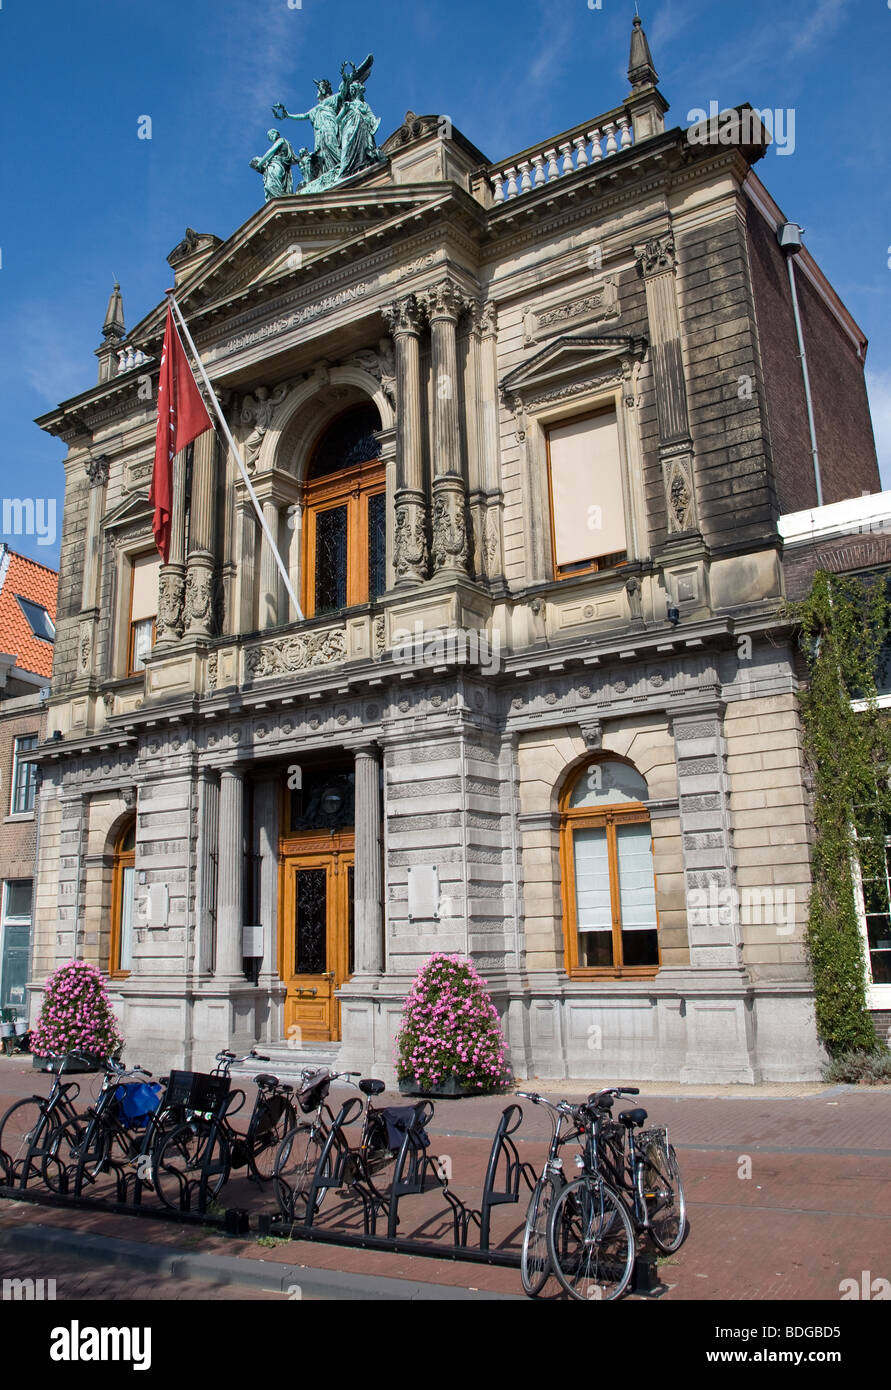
(344, 126)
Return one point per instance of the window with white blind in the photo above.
(609, 885)
(144, 573)
(588, 529)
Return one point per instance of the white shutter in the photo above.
(586, 488)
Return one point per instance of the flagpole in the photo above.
(286, 578)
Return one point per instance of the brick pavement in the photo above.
(814, 1211)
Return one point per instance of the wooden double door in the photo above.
(317, 935)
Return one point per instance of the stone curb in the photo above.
(226, 1269)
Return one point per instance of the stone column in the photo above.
(199, 580)
(267, 800)
(444, 304)
(230, 873)
(206, 887)
(172, 580)
(270, 579)
(410, 524)
(369, 871)
(487, 520)
(656, 261)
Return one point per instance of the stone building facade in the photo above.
(515, 428)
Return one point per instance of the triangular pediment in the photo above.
(566, 357)
(133, 511)
(291, 241)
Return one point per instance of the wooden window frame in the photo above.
(609, 818)
(597, 563)
(20, 764)
(123, 859)
(353, 488)
(131, 669)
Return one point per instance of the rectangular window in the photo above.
(877, 922)
(587, 502)
(331, 559)
(377, 545)
(15, 933)
(128, 898)
(24, 776)
(144, 575)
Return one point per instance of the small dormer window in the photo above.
(39, 620)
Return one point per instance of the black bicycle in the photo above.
(535, 1263)
(191, 1165)
(629, 1184)
(29, 1128)
(316, 1155)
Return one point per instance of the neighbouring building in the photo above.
(524, 431)
(27, 633)
(853, 538)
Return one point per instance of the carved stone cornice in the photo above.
(300, 652)
(657, 256)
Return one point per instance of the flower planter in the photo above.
(449, 1088)
(89, 1062)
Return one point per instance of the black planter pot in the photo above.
(448, 1089)
(88, 1062)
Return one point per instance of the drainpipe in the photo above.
(789, 237)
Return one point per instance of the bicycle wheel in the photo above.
(295, 1163)
(266, 1134)
(660, 1190)
(590, 1240)
(24, 1131)
(191, 1167)
(378, 1161)
(535, 1262)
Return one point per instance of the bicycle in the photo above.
(535, 1264)
(592, 1231)
(196, 1159)
(316, 1157)
(104, 1140)
(28, 1127)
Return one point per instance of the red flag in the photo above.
(182, 416)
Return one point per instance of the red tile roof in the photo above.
(19, 575)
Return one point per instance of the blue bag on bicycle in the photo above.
(138, 1101)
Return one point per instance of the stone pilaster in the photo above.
(230, 874)
(97, 472)
(267, 809)
(206, 887)
(410, 523)
(444, 304)
(199, 578)
(369, 877)
(270, 579)
(716, 988)
(656, 261)
(484, 488)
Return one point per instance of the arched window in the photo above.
(609, 888)
(345, 515)
(123, 901)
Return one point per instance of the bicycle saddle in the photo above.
(370, 1087)
(632, 1117)
(265, 1079)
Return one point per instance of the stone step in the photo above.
(288, 1062)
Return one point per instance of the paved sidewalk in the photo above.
(787, 1196)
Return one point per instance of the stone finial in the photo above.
(641, 69)
(113, 329)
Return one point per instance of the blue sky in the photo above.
(85, 200)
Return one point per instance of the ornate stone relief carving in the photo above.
(404, 315)
(677, 475)
(381, 365)
(97, 470)
(409, 541)
(199, 597)
(297, 653)
(259, 410)
(601, 302)
(656, 255)
(171, 596)
(449, 530)
(212, 671)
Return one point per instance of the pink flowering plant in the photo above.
(451, 1028)
(76, 1013)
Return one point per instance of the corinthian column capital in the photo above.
(445, 300)
(657, 255)
(403, 315)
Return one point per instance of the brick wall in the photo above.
(860, 550)
(17, 837)
(841, 412)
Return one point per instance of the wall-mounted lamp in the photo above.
(673, 615)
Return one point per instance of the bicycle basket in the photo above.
(313, 1091)
(653, 1144)
(196, 1090)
